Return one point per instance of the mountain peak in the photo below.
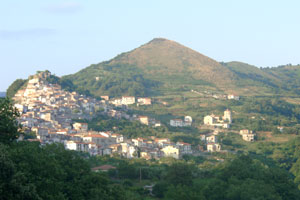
(168, 58)
(157, 40)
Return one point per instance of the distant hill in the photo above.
(2, 94)
(283, 79)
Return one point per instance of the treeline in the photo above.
(240, 178)
(32, 171)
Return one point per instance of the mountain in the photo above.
(168, 58)
(160, 65)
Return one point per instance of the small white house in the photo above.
(176, 122)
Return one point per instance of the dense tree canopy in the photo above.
(8, 123)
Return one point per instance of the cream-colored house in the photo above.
(144, 101)
(209, 120)
(211, 139)
(249, 137)
(245, 131)
(213, 147)
(80, 126)
(127, 100)
(144, 120)
(171, 151)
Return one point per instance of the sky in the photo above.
(67, 36)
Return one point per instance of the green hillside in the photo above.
(289, 75)
(157, 67)
(162, 67)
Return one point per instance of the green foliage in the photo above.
(274, 107)
(180, 173)
(241, 178)
(51, 172)
(127, 128)
(14, 184)
(113, 80)
(14, 87)
(8, 121)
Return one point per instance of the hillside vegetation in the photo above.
(162, 66)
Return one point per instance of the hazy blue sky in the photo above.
(66, 36)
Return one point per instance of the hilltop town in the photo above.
(51, 113)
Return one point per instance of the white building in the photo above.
(176, 122)
(171, 151)
(80, 126)
(248, 137)
(211, 139)
(227, 116)
(233, 97)
(127, 100)
(213, 147)
(184, 148)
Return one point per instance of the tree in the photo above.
(8, 121)
(180, 173)
(13, 184)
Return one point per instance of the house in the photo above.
(213, 120)
(188, 120)
(247, 135)
(106, 98)
(82, 127)
(145, 154)
(128, 150)
(144, 120)
(119, 137)
(176, 122)
(99, 139)
(184, 148)
(46, 116)
(202, 137)
(211, 139)
(227, 116)
(40, 131)
(161, 142)
(139, 142)
(144, 101)
(21, 108)
(171, 151)
(127, 100)
(116, 102)
(210, 119)
(115, 148)
(245, 131)
(233, 97)
(213, 147)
